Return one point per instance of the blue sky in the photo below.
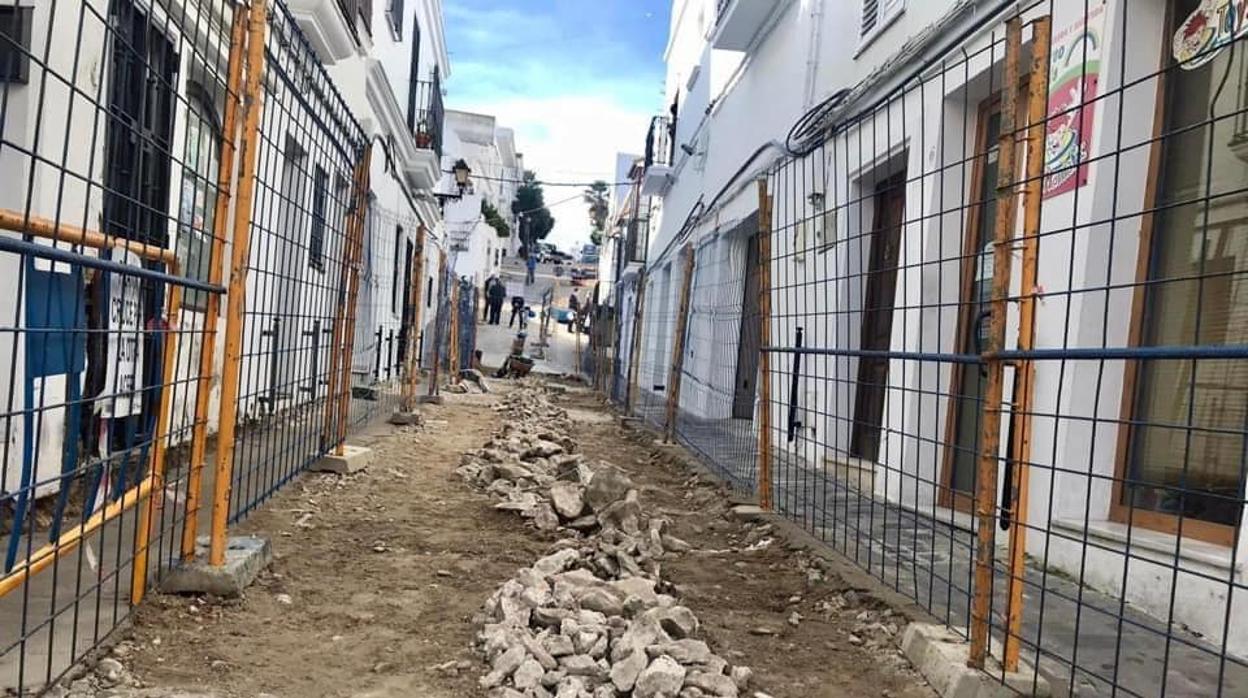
(577, 80)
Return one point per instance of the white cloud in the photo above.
(569, 138)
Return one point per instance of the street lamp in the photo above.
(461, 170)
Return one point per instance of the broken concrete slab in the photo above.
(940, 654)
(245, 558)
(352, 459)
(407, 419)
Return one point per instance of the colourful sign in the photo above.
(1074, 74)
(1210, 27)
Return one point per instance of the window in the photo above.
(394, 13)
(1187, 418)
(876, 15)
(395, 293)
(14, 43)
(199, 192)
(413, 84)
(316, 241)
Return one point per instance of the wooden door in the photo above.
(877, 316)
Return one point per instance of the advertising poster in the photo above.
(1074, 72)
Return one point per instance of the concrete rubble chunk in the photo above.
(602, 600)
(567, 499)
(686, 651)
(607, 486)
(714, 684)
(624, 672)
(556, 562)
(663, 677)
(529, 674)
(580, 665)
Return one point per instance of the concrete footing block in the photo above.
(353, 459)
(430, 399)
(941, 654)
(245, 557)
(407, 419)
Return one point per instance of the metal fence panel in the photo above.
(1003, 371)
(113, 212)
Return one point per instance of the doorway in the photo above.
(877, 316)
(746, 385)
(969, 381)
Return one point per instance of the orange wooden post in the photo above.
(436, 374)
(411, 362)
(355, 252)
(207, 351)
(454, 359)
(990, 434)
(1025, 371)
(676, 370)
(156, 469)
(236, 293)
(764, 357)
(634, 353)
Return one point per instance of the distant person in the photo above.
(517, 310)
(489, 285)
(531, 265)
(574, 305)
(495, 297)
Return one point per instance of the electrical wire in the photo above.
(542, 182)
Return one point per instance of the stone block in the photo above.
(353, 459)
(245, 557)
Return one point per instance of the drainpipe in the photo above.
(812, 53)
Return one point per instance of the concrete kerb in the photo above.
(353, 459)
(245, 558)
(940, 654)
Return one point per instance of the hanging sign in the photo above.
(1074, 74)
(124, 368)
(1212, 25)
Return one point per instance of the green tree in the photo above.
(496, 221)
(530, 204)
(597, 196)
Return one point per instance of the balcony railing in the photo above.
(429, 114)
(659, 142)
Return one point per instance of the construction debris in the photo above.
(593, 618)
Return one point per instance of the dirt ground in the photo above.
(377, 577)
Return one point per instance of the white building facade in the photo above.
(1135, 487)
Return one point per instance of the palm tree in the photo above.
(596, 196)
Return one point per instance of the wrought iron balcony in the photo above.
(426, 113)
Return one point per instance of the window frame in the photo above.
(394, 17)
(199, 106)
(319, 218)
(1192, 528)
(22, 18)
(886, 12)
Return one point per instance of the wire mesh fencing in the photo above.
(302, 250)
(386, 311)
(149, 401)
(999, 343)
(109, 305)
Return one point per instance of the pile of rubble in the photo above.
(592, 619)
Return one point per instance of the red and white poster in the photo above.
(1074, 75)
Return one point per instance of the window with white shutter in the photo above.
(876, 16)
